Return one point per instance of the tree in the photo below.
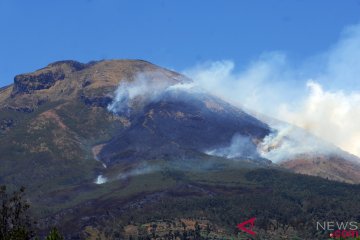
(197, 230)
(15, 223)
(54, 235)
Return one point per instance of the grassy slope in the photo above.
(51, 147)
(283, 203)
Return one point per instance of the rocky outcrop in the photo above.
(98, 101)
(44, 78)
(74, 65)
(24, 109)
(29, 83)
(6, 124)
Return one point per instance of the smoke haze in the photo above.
(142, 90)
(321, 94)
(240, 147)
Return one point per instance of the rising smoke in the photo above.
(143, 89)
(239, 147)
(132, 94)
(139, 170)
(322, 95)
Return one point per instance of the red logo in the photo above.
(247, 226)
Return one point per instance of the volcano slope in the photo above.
(106, 148)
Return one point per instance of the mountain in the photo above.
(56, 119)
(122, 112)
(50, 119)
(110, 139)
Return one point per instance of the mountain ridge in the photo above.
(92, 86)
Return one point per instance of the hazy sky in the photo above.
(174, 34)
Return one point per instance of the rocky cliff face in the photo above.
(45, 78)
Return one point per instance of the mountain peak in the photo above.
(70, 63)
(94, 83)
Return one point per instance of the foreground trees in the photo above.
(15, 220)
(15, 223)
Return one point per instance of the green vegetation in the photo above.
(15, 223)
(49, 150)
(54, 235)
(15, 220)
(222, 192)
(286, 205)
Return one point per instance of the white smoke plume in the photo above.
(332, 115)
(290, 141)
(144, 89)
(100, 179)
(240, 147)
(321, 95)
(140, 170)
(141, 89)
